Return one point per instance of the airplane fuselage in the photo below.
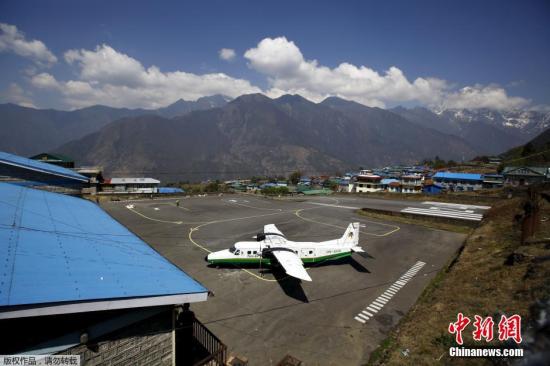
(254, 252)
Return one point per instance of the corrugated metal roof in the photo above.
(56, 248)
(19, 161)
(170, 190)
(134, 181)
(526, 170)
(459, 176)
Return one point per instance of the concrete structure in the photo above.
(288, 311)
(365, 183)
(32, 173)
(525, 175)
(459, 181)
(411, 183)
(130, 185)
(82, 284)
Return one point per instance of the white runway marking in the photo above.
(331, 205)
(378, 303)
(462, 215)
(456, 205)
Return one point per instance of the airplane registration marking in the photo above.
(386, 296)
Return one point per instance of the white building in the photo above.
(365, 183)
(412, 183)
(130, 185)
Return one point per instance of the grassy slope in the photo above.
(478, 282)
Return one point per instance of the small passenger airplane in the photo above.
(271, 247)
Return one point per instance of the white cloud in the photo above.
(15, 94)
(289, 72)
(13, 40)
(479, 96)
(44, 80)
(109, 77)
(227, 54)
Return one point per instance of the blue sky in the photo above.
(147, 54)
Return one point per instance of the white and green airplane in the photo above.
(272, 247)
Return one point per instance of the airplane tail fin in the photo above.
(351, 236)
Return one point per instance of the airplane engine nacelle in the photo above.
(260, 237)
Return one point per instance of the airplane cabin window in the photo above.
(249, 252)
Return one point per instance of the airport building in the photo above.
(76, 282)
(130, 185)
(459, 181)
(33, 173)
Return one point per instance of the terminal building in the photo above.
(76, 282)
(130, 185)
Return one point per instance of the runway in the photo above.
(264, 315)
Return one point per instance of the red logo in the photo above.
(484, 328)
(508, 328)
(457, 327)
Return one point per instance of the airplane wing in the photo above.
(292, 264)
(272, 230)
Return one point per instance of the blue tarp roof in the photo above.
(388, 181)
(56, 248)
(459, 176)
(10, 159)
(170, 190)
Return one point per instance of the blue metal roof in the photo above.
(19, 161)
(56, 248)
(388, 181)
(458, 176)
(170, 190)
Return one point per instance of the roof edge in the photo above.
(100, 305)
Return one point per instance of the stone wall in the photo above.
(148, 342)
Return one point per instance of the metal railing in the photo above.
(217, 351)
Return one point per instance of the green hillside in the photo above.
(535, 152)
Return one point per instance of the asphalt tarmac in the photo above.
(262, 314)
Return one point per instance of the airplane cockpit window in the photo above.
(232, 250)
(237, 252)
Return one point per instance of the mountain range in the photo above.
(29, 131)
(215, 137)
(489, 131)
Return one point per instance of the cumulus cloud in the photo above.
(289, 72)
(15, 94)
(479, 96)
(13, 40)
(227, 54)
(107, 76)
